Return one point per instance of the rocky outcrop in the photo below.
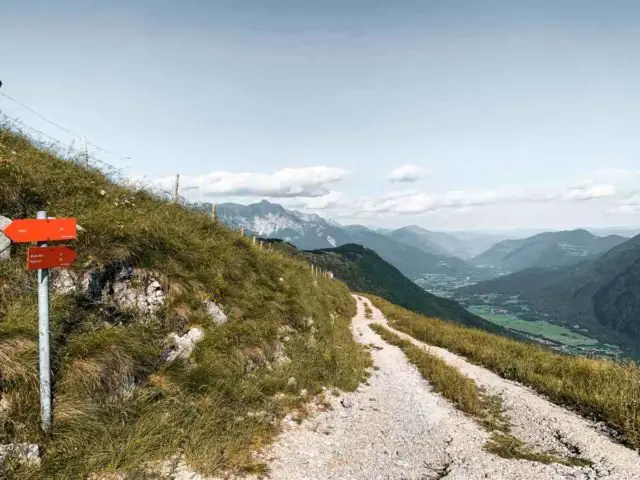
(121, 285)
(215, 312)
(5, 243)
(184, 345)
(23, 452)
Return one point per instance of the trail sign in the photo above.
(41, 230)
(41, 258)
(49, 257)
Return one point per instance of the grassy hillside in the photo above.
(117, 403)
(363, 270)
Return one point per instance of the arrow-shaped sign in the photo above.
(49, 257)
(40, 230)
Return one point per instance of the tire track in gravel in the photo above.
(539, 422)
(396, 427)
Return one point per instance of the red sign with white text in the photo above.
(49, 257)
(41, 230)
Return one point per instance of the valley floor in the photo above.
(397, 427)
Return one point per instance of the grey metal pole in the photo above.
(43, 339)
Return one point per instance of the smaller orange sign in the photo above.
(49, 257)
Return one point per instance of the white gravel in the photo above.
(396, 427)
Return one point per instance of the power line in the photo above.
(57, 125)
(40, 115)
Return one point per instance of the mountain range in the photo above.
(547, 249)
(602, 293)
(310, 232)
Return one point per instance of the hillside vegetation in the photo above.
(363, 270)
(599, 389)
(117, 403)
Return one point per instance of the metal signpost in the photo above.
(42, 258)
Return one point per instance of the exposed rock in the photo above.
(121, 285)
(132, 291)
(5, 243)
(215, 312)
(308, 322)
(63, 282)
(23, 452)
(280, 357)
(184, 345)
(292, 382)
(346, 402)
(5, 407)
(254, 357)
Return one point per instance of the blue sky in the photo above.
(512, 114)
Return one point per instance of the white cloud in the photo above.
(631, 204)
(409, 202)
(405, 174)
(588, 191)
(286, 183)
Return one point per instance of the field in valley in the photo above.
(556, 336)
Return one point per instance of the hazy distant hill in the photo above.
(547, 250)
(601, 293)
(439, 243)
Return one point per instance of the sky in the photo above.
(456, 115)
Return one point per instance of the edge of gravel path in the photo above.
(538, 421)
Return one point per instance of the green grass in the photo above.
(556, 333)
(465, 395)
(604, 390)
(459, 389)
(197, 408)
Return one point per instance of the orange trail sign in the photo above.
(49, 257)
(41, 230)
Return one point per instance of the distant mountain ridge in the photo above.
(310, 232)
(441, 243)
(547, 249)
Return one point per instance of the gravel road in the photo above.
(396, 427)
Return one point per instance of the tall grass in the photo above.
(211, 409)
(599, 389)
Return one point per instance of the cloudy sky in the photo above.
(477, 114)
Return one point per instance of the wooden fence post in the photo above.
(176, 186)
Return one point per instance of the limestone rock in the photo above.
(280, 357)
(215, 312)
(23, 452)
(63, 282)
(5, 243)
(346, 402)
(184, 345)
